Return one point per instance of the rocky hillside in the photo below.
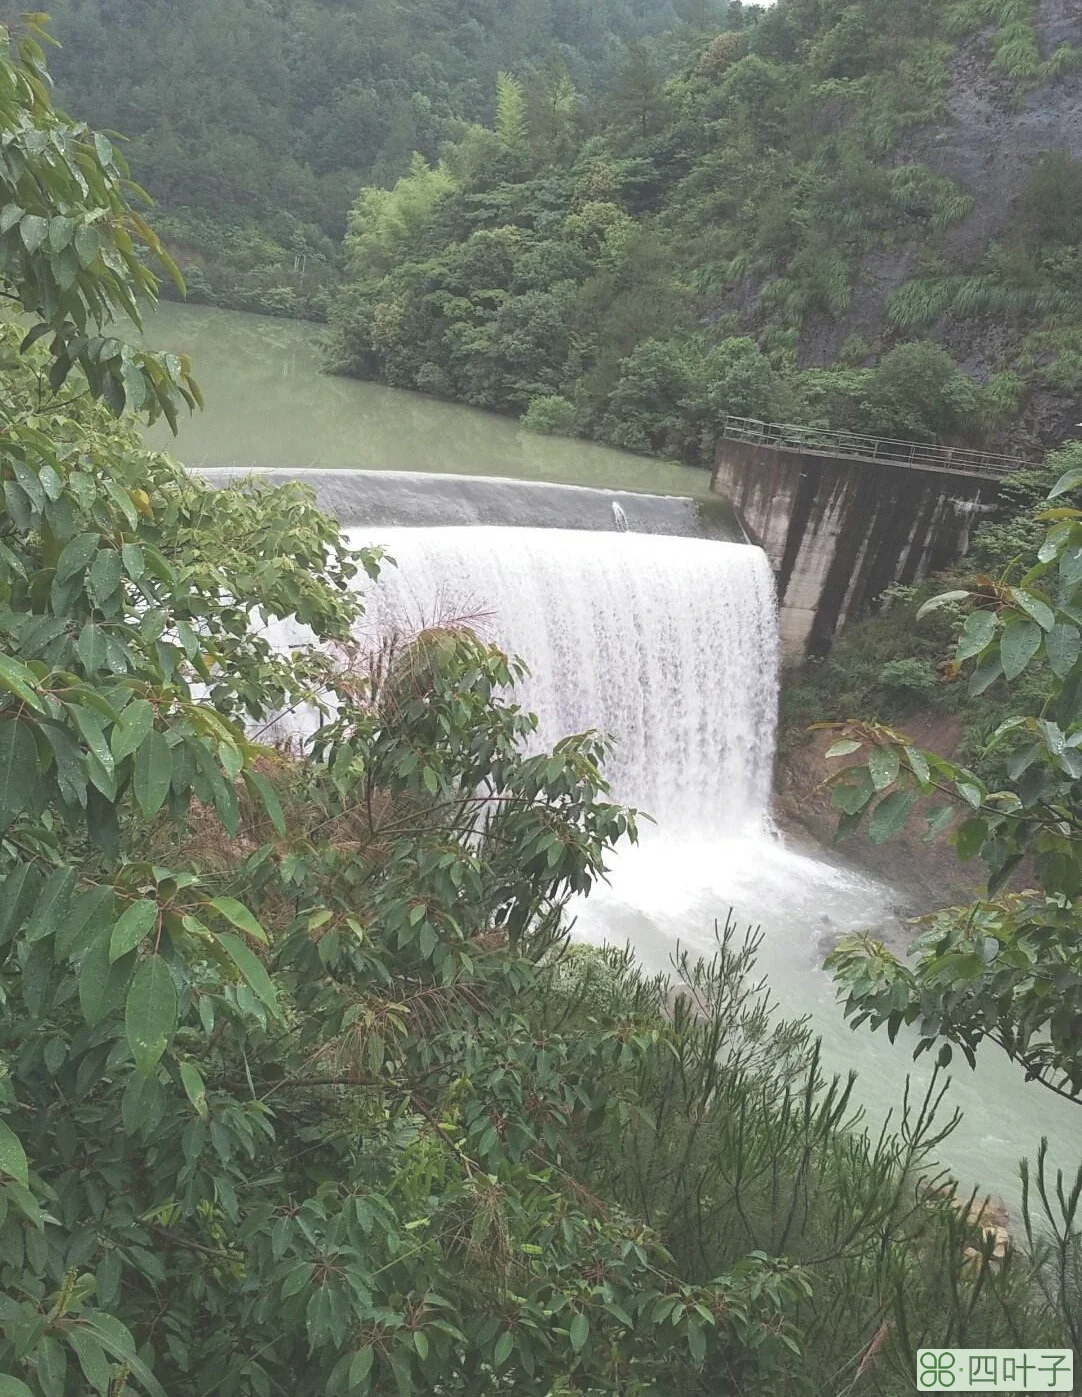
(995, 130)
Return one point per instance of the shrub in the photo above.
(909, 681)
(551, 415)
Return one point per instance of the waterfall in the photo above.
(669, 645)
(619, 518)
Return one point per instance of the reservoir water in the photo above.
(269, 404)
(668, 643)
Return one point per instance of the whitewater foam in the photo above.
(668, 645)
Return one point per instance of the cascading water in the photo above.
(669, 645)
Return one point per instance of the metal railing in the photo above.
(917, 455)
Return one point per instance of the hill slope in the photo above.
(255, 122)
(813, 217)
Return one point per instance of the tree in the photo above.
(70, 244)
(1007, 970)
(386, 224)
(636, 96)
(510, 113)
(918, 392)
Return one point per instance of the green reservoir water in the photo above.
(268, 404)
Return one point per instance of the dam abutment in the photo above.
(839, 531)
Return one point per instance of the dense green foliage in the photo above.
(1007, 969)
(299, 1086)
(254, 125)
(657, 261)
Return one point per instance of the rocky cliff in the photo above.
(993, 131)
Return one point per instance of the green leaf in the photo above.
(853, 796)
(260, 786)
(884, 763)
(970, 793)
(52, 905)
(938, 821)
(1070, 566)
(1070, 480)
(116, 1338)
(76, 555)
(136, 721)
(1062, 647)
(132, 557)
(91, 1358)
(91, 647)
(108, 1277)
(93, 734)
(890, 815)
(1019, 643)
(696, 1343)
(136, 922)
(18, 892)
(105, 574)
(360, 1366)
(236, 913)
(504, 1346)
(153, 772)
(842, 748)
(52, 1367)
(101, 982)
(977, 633)
(918, 764)
(579, 1332)
(13, 1156)
(60, 230)
(252, 969)
(18, 680)
(91, 911)
(969, 836)
(18, 769)
(87, 244)
(944, 599)
(13, 1387)
(194, 1087)
(985, 675)
(33, 230)
(1034, 607)
(150, 1013)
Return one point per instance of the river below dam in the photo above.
(668, 643)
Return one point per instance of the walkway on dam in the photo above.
(851, 446)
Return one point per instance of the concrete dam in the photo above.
(842, 517)
(839, 517)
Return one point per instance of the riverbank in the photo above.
(926, 875)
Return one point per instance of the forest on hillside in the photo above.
(254, 126)
(627, 220)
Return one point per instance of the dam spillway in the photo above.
(667, 645)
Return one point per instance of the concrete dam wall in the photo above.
(419, 499)
(838, 532)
